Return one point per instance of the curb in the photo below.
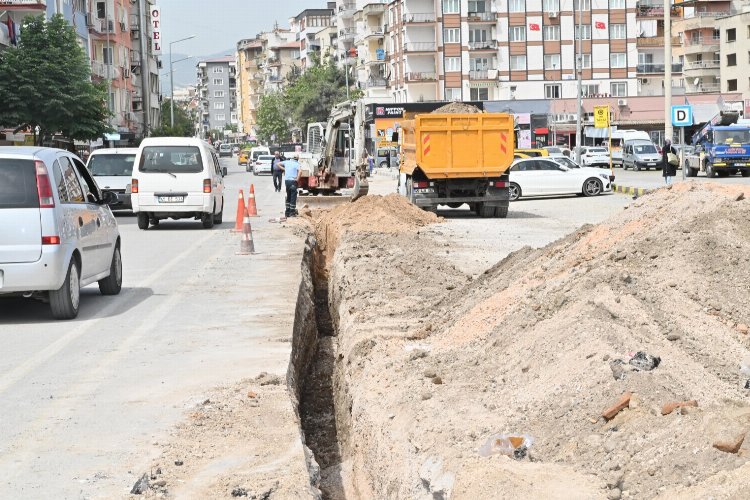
(633, 191)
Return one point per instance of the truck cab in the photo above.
(722, 147)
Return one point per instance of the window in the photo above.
(552, 91)
(748, 31)
(452, 94)
(479, 64)
(101, 10)
(218, 81)
(480, 94)
(731, 59)
(452, 35)
(731, 85)
(551, 33)
(477, 35)
(731, 35)
(107, 55)
(616, 4)
(618, 89)
(517, 34)
(233, 117)
(516, 5)
(219, 105)
(617, 60)
(552, 61)
(452, 64)
(551, 5)
(218, 93)
(716, 34)
(218, 69)
(70, 180)
(589, 89)
(477, 6)
(585, 5)
(586, 30)
(517, 62)
(221, 117)
(585, 61)
(451, 6)
(617, 32)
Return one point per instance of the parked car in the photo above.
(242, 158)
(225, 150)
(58, 232)
(263, 164)
(256, 151)
(641, 154)
(387, 158)
(555, 151)
(529, 153)
(545, 176)
(235, 150)
(112, 169)
(594, 156)
(177, 178)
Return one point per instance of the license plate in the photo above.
(652, 164)
(740, 164)
(171, 199)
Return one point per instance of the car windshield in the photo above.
(256, 154)
(171, 159)
(265, 158)
(562, 160)
(598, 150)
(644, 149)
(111, 164)
(18, 184)
(732, 136)
(225, 147)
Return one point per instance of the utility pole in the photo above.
(579, 68)
(668, 70)
(145, 67)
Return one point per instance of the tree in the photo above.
(272, 121)
(46, 83)
(183, 123)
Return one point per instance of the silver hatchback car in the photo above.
(57, 232)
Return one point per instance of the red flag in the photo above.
(534, 27)
(600, 25)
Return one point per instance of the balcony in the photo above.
(655, 41)
(374, 8)
(421, 76)
(106, 71)
(483, 45)
(419, 17)
(347, 10)
(376, 82)
(347, 33)
(420, 47)
(656, 69)
(702, 68)
(654, 10)
(102, 26)
(483, 74)
(481, 17)
(704, 88)
(371, 33)
(698, 46)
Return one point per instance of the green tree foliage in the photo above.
(184, 125)
(46, 82)
(314, 93)
(273, 119)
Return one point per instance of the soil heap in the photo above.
(649, 308)
(457, 107)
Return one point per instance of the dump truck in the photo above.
(722, 147)
(452, 159)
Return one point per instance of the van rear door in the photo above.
(20, 218)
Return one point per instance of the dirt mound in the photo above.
(379, 214)
(542, 344)
(457, 108)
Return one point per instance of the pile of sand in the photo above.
(457, 108)
(434, 363)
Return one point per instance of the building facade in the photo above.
(217, 88)
(306, 26)
(734, 50)
(249, 83)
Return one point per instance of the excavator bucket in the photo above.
(361, 187)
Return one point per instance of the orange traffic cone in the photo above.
(247, 246)
(252, 209)
(240, 212)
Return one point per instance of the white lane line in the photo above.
(18, 373)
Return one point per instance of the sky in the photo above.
(220, 24)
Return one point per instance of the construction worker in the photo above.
(291, 181)
(276, 171)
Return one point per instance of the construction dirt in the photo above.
(549, 376)
(457, 107)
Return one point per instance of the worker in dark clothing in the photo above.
(276, 171)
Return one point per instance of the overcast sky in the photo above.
(219, 24)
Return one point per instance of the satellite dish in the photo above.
(696, 81)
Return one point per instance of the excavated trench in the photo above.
(313, 379)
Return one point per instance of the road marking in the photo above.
(18, 373)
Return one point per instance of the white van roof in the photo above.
(173, 141)
(114, 151)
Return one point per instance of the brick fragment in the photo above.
(622, 403)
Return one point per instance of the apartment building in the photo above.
(650, 44)
(280, 55)
(74, 11)
(306, 26)
(371, 62)
(734, 49)
(249, 83)
(12, 13)
(217, 88)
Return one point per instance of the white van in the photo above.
(257, 151)
(177, 178)
(620, 137)
(112, 168)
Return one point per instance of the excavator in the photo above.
(335, 158)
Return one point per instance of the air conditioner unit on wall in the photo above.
(553, 14)
(622, 102)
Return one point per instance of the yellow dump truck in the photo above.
(452, 159)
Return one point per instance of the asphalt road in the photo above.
(650, 179)
(84, 401)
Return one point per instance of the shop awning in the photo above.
(597, 133)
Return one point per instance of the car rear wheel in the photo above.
(112, 284)
(208, 220)
(514, 190)
(592, 187)
(64, 301)
(383, 164)
(219, 218)
(142, 220)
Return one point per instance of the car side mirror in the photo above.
(108, 198)
(224, 171)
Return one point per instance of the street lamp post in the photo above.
(171, 80)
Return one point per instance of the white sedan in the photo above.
(595, 157)
(263, 164)
(544, 176)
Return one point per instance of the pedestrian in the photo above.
(669, 162)
(276, 171)
(291, 180)
(370, 162)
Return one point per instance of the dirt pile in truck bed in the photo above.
(457, 108)
(433, 363)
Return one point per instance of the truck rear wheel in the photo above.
(501, 212)
(745, 173)
(486, 211)
(710, 172)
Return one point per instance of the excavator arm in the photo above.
(353, 114)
